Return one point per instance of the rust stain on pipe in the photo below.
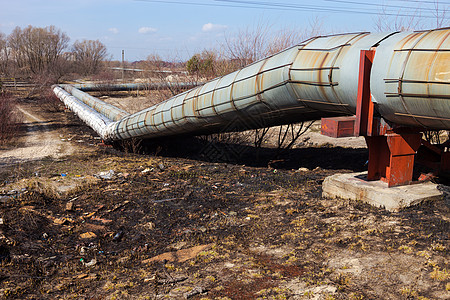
(319, 78)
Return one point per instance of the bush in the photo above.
(8, 118)
(202, 65)
(49, 102)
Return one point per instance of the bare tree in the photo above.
(89, 55)
(255, 43)
(440, 14)
(15, 43)
(157, 68)
(398, 22)
(4, 57)
(169, 75)
(38, 51)
(286, 37)
(248, 45)
(416, 19)
(252, 44)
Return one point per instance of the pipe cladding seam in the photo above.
(410, 81)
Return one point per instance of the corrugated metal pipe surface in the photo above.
(409, 82)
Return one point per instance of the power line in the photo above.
(284, 6)
(195, 3)
(424, 1)
(380, 5)
(303, 6)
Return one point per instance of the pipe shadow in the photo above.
(325, 157)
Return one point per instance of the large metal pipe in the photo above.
(409, 81)
(108, 110)
(90, 87)
(91, 117)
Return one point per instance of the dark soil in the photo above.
(265, 230)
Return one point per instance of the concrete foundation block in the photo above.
(353, 186)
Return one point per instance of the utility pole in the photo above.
(123, 66)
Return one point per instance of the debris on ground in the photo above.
(190, 228)
(178, 256)
(107, 175)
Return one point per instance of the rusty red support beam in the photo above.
(391, 157)
(435, 158)
(364, 105)
(391, 153)
(338, 127)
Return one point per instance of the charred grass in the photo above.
(176, 227)
(270, 234)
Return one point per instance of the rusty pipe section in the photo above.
(317, 78)
(410, 79)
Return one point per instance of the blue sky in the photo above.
(179, 29)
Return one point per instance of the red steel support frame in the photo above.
(391, 157)
(391, 154)
(364, 105)
(391, 151)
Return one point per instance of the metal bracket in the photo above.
(391, 151)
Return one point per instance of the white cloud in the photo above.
(145, 30)
(114, 30)
(213, 27)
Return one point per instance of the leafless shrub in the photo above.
(40, 84)
(289, 134)
(252, 44)
(386, 22)
(104, 77)
(248, 45)
(89, 55)
(255, 43)
(171, 78)
(8, 118)
(104, 80)
(237, 138)
(132, 145)
(440, 14)
(259, 136)
(406, 20)
(50, 102)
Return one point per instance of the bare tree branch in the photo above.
(89, 55)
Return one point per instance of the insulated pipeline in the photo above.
(318, 78)
(88, 87)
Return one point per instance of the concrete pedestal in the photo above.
(353, 186)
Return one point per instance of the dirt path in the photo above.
(39, 141)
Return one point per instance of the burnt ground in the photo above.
(190, 219)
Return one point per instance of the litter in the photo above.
(93, 262)
(105, 175)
